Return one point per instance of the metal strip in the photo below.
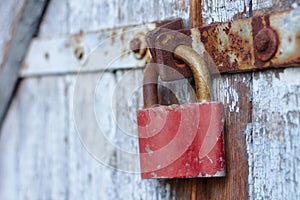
(260, 42)
(85, 52)
(238, 46)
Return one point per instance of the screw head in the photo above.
(135, 45)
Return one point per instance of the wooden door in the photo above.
(42, 157)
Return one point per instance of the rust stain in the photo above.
(123, 34)
(113, 37)
(228, 57)
(78, 37)
(226, 29)
(5, 54)
(68, 45)
(16, 19)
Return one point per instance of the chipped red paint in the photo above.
(181, 141)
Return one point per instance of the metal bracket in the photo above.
(260, 42)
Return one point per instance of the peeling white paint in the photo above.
(232, 97)
(273, 145)
(41, 156)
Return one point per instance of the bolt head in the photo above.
(262, 41)
(265, 44)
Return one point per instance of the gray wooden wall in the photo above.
(42, 157)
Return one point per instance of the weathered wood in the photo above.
(42, 157)
(237, 108)
(11, 12)
(71, 17)
(196, 13)
(28, 146)
(46, 159)
(25, 29)
(274, 151)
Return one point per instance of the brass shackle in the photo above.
(196, 63)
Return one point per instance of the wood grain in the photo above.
(42, 157)
(237, 109)
(274, 148)
(195, 13)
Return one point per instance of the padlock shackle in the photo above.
(198, 67)
(200, 71)
(150, 85)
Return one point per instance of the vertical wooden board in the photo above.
(272, 146)
(237, 108)
(274, 151)
(222, 10)
(8, 147)
(225, 10)
(32, 139)
(126, 178)
(87, 178)
(55, 20)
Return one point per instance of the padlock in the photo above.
(181, 141)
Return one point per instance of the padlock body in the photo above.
(181, 141)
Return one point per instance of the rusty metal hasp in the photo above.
(260, 42)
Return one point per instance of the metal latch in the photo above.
(260, 42)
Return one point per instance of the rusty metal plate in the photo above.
(234, 45)
(260, 42)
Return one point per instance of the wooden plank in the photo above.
(55, 163)
(31, 140)
(25, 30)
(238, 137)
(237, 108)
(274, 147)
(235, 184)
(40, 126)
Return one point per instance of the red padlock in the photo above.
(181, 141)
